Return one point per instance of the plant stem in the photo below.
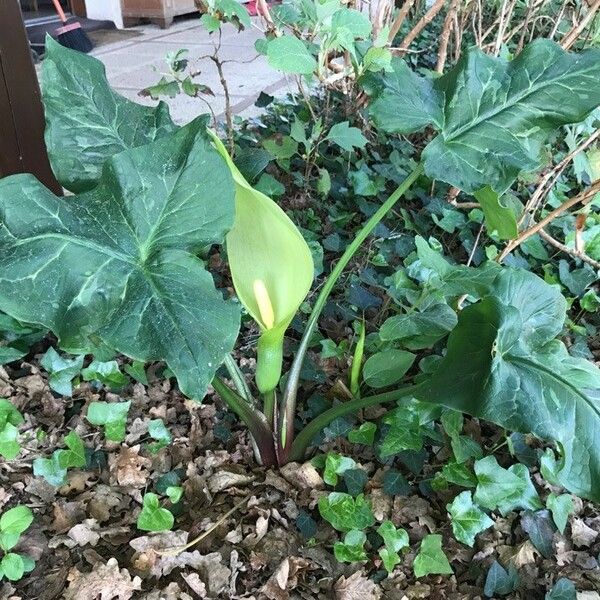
(306, 436)
(269, 400)
(288, 402)
(253, 418)
(238, 379)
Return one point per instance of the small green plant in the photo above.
(54, 469)
(113, 417)
(13, 523)
(154, 517)
(10, 419)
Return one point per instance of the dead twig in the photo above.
(421, 24)
(571, 37)
(581, 198)
(399, 20)
(570, 251)
(445, 37)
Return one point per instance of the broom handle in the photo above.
(60, 11)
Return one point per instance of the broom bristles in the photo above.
(74, 37)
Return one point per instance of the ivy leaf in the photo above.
(12, 566)
(336, 464)
(431, 559)
(62, 371)
(498, 218)
(387, 367)
(153, 517)
(540, 529)
(174, 493)
(124, 257)
(107, 373)
(290, 55)
(505, 489)
(468, 519)
(9, 354)
(560, 507)
(306, 525)
(418, 330)
(50, 470)
(12, 524)
(563, 589)
(500, 581)
(523, 379)
(459, 474)
(111, 415)
(346, 137)
(158, 432)
(352, 548)
(345, 512)
(99, 123)
(9, 446)
(75, 455)
(395, 484)
(394, 540)
(493, 115)
(355, 481)
(365, 434)
(408, 425)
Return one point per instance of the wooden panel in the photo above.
(22, 148)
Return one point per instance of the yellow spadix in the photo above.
(272, 269)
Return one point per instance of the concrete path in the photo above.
(139, 62)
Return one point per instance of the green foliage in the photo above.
(13, 523)
(364, 434)
(336, 464)
(513, 356)
(489, 107)
(431, 559)
(468, 519)
(10, 419)
(54, 469)
(153, 517)
(112, 416)
(563, 590)
(560, 507)
(387, 367)
(120, 282)
(352, 548)
(289, 54)
(346, 137)
(158, 432)
(99, 121)
(61, 370)
(106, 373)
(505, 489)
(540, 529)
(345, 512)
(500, 581)
(394, 541)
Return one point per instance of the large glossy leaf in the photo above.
(87, 122)
(504, 364)
(118, 264)
(492, 115)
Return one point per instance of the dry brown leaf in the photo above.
(302, 476)
(214, 574)
(195, 583)
(128, 469)
(66, 515)
(582, 535)
(226, 479)
(102, 499)
(105, 582)
(519, 556)
(85, 533)
(356, 587)
(285, 578)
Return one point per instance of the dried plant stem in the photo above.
(571, 37)
(571, 251)
(558, 19)
(580, 198)
(505, 17)
(399, 20)
(549, 179)
(445, 37)
(421, 24)
(179, 549)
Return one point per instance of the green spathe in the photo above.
(272, 269)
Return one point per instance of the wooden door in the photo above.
(22, 147)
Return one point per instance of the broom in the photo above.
(71, 35)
